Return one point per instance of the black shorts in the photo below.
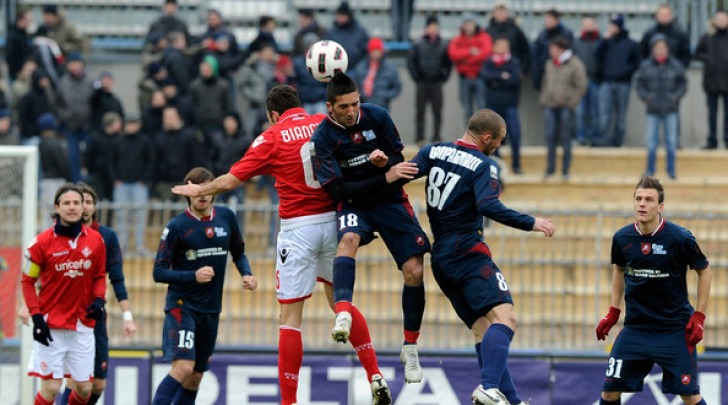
(101, 358)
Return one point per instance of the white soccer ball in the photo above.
(325, 58)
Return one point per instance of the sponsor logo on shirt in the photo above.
(646, 273)
(217, 231)
(86, 252)
(72, 268)
(284, 254)
(355, 161)
(494, 172)
(165, 232)
(369, 135)
(193, 254)
(260, 139)
(59, 254)
(658, 249)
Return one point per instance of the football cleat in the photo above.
(491, 396)
(342, 328)
(380, 391)
(411, 360)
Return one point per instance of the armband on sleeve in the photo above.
(32, 270)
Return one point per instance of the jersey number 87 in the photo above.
(439, 187)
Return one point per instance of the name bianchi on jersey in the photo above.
(646, 273)
(193, 254)
(455, 156)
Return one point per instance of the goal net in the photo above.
(18, 215)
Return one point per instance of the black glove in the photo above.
(96, 309)
(41, 331)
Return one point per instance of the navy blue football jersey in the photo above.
(189, 243)
(655, 267)
(462, 186)
(342, 154)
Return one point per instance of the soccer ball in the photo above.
(325, 58)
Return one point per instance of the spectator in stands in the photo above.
(215, 28)
(54, 164)
(36, 102)
(552, 28)
(349, 33)
(19, 44)
(210, 97)
(152, 115)
(104, 100)
(68, 38)
(307, 24)
(230, 146)
(502, 25)
(21, 86)
(174, 154)
(154, 50)
(99, 155)
(564, 85)
(587, 113)
(429, 66)
(266, 26)
(177, 61)
(401, 15)
(169, 22)
(6, 136)
(48, 55)
(502, 76)
(132, 170)
(468, 51)
(618, 58)
(73, 103)
(376, 76)
(182, 102)
(677, 39)
(713, 52)
(261, 72)
(661, 83)
(311, 91)
(155, 76)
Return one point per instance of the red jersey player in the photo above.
(307, 241)
(69, 258)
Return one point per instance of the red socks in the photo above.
(362, 342)
(290, 357)
(411, 337)
(39, 400)
(343, 306)
(75, 400)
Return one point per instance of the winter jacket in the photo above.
(180, 68)
(174, 154)
(166, 24)
(618, 57)
(228, 150)
(520, 47)
(102, 102)
(713, 52)
(428, 61)
(677, 41)
(386, 82)
(132, 158)
(298, 44)
(353, 37)
(228, 61)
(254, 79)
(211, 100)
(99, 152)
(585, 48)
(152, 119)
(67, 37)
(74, 101)
(661, 85)
(263, 38)
(563, 85)
(309, 89)
(541, 51)
(18, 48)
(467, 64)
(502, 92)
(54, 160)
(32, 105)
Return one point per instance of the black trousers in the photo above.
(428, 92)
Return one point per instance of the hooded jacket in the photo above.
(713, 52)
(520, 47)
(467, 64)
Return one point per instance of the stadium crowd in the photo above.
(192, 86)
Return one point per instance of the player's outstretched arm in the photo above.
(544, 226)
(402, 171)
(221, 184)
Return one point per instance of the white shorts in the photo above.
(306, 251)
(70, 354)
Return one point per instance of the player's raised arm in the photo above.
(221, 184)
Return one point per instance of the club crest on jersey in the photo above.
(685, 379)
(369, 135)
(191, 254)
(420, 240)
(646, 248)
(356, 137)
(86, 252)
(209, 232)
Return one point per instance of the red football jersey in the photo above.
(284, 151)
(72, 274)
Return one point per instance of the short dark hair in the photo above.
(306, 12)
(64, 189)
(561, 42)
(282, 98)
(264, 20)
(339, 85)
(553, 13)
(649, 182)
(486, 121)
(197, 175)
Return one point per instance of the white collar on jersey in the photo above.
(658, 229)
(207, 218)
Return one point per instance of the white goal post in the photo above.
(19, 164)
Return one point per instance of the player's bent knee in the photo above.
(413, 271)
(610, 395)
(193, 381)
(348, 244)
(98, 386)
(49, 388)
(691, 399)
(83, 390)
(182, 369)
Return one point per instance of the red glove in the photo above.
(609, 320)
(694, 330)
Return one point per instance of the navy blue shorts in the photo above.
(396, 224)
(636, 351)
(472, 282)
(101, 358)
(189, 335)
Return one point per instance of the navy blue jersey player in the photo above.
(463, 186)
(358, 160)
(191, 259)
(651, 257)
